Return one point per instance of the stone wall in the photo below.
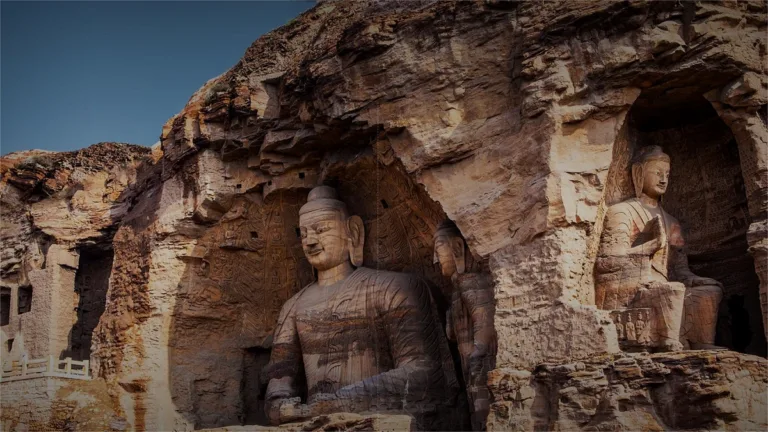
(50, 403)
(53, 301)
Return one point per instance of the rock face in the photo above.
(335, 422)
(690, 390)
(55, 207)
(516, 120)
(59, 212)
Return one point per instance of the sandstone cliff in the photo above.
(58, 215)
(515, 120)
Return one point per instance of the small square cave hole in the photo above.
(5, 306)
(25, 299)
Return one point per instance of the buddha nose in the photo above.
(311, 239)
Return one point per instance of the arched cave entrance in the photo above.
(706, 194)
(246, 265)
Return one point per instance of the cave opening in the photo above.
(91, 284)
(706, 194)
(252, 387)
(25, 299)
(5, 306)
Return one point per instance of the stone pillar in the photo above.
(47, 325)
(740, 104)
(62, 263)
(545, 291)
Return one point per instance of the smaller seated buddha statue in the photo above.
(470, 317)
(642, 263)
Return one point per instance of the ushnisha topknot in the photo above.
(323, 198)
(447, 227)
(649, 153)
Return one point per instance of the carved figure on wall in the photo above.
(642, 263)
(470, 317)
(357, 339)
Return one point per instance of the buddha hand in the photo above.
(325, 403)
(655, 228)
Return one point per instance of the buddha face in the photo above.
(445, 255)
(450, 253)
(324, 238)
(655, 178)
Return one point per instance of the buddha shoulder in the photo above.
(291, 302)
(623, 208)
(619, 214)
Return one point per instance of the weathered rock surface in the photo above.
(70, 197)
(51, 403)
(691, 390)
(341, 422)
(516, 120)
(53, 206)
(56, 211)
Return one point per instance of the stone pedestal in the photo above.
(335, 422)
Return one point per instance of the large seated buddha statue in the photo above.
(358, 339)
(642, 268)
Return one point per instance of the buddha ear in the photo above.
(457, 247)
(356, 231)
(637, 178)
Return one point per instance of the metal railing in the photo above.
(47, 367)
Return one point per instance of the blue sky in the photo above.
(76, 73)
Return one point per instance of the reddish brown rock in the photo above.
(691, 390)
(516, 120)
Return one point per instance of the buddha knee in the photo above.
(675, 290)
(672, 290)
(713, 292)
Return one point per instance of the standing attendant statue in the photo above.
(642, 263)
(357, 340)
(470, 318)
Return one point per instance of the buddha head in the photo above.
(650, 172)
(449, 249)
(329, 236)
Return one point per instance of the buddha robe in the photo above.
(661, 281)
(372, 340)
(471, 326)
